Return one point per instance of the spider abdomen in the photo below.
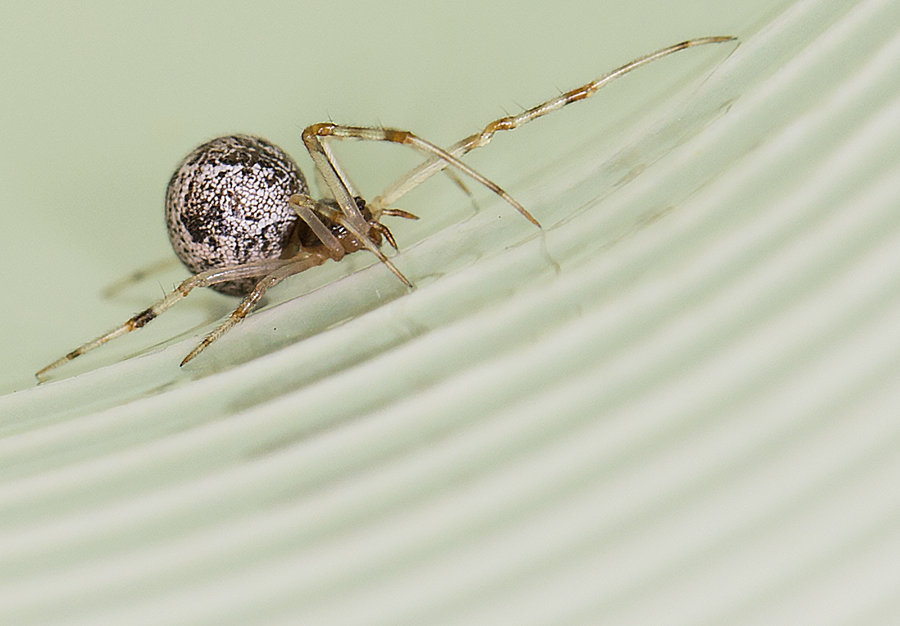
(227, 204)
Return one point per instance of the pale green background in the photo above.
(100, 101)
(675, 404)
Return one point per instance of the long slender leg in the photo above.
(203, 279)
(435, 164)
(295, 266)
(312, 137)
(351, 188)
(331, 172)
(342, 174)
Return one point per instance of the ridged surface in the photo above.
(677, 404)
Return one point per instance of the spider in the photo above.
(240, 216)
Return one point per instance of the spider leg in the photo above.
(435, 164)
(309, 210)
(330, 171)
(313, 138)
(399, 213)
(385, 232)
(365, 241)
(339, 170)
(203, 279)
(294, 266)
(351, 188)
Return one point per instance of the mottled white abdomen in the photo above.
(227, 204)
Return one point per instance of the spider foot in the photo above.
(385, 232)
(399, 213)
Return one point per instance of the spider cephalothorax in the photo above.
(304, 237)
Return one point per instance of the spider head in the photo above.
(305, 238)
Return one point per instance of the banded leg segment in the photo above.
(433, 165)
(313, 138)
(203, 279)
(293, 266)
